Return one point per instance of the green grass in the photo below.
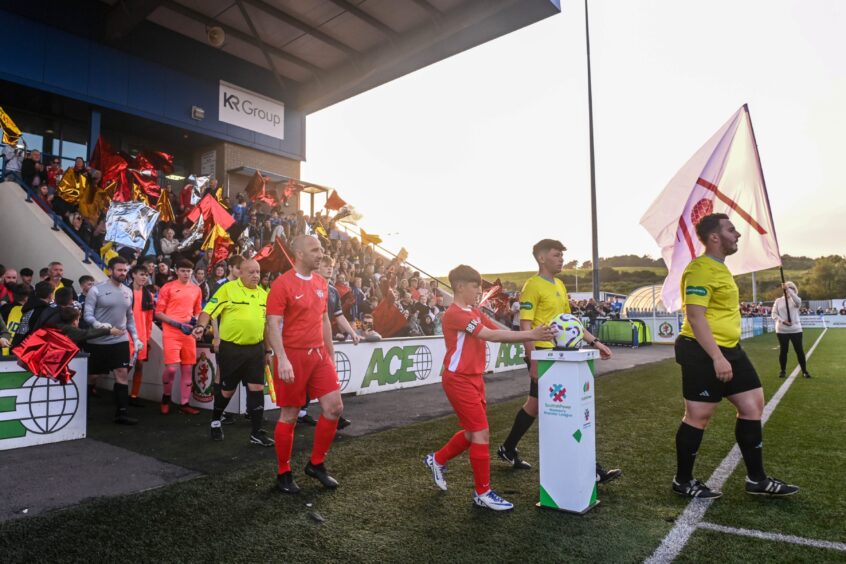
(387, 509)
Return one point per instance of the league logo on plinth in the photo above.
(203, 385)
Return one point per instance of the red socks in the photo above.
(168, 374)
(480, 461)
(324, 433)
(284, 437)
(456, 445)
(187, 380)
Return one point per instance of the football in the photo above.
(569, 331)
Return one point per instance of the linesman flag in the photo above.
(724, 176)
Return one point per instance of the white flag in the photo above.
(724, 176)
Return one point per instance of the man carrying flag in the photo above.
(700, 249)
(714, 366)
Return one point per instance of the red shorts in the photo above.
(178, 348)
(466, 394)
(314, 377)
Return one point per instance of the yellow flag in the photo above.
(72, 186)
(369, 238)
(217, 232)
(164, 208)
(402, 255)
(11, 133)
(319, 229)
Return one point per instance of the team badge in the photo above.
(320, 294)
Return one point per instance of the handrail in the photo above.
(60, 225)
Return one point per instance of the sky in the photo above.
(475, 158)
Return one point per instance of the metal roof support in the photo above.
(302, 26)
(126, 14)
(366, 18)
(245, 37)
(264, 52)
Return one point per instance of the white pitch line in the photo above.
(792, 539)
(686, 524)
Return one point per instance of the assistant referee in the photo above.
(240, 308)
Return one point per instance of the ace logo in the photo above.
(510, 354)
(398, 364)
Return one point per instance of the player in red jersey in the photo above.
(180, 301)
(304, 360)
(465, 331)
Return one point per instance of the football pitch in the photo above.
(388, 510)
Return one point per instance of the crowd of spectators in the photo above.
(363, 277)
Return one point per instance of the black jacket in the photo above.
(35, 315)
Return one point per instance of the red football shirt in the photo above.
(301, 302)
(465, 351)
(180, 301)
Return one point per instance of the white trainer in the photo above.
(492, 501)
(436, 469)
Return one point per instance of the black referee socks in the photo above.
(688, 439)
(121, 392)
(522, 423)
(750, 438)
(255, 407)
(220, 403)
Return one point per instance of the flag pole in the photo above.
(594, 236)
(769, 209)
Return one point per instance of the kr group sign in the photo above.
(247, 109)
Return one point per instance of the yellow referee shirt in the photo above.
(241, 310)
(707, 282)
(542, 300)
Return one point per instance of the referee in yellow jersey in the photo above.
(239, 306)
(543, 298)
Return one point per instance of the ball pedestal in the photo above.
(567, 429)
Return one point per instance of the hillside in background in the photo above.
(820, 278)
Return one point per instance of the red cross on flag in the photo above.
(724, 176)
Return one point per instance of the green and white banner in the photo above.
(37, 411)
(567, 429)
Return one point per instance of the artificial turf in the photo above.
(388, 510)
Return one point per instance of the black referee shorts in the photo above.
(105, 358)
(699, 380)
(240, 363)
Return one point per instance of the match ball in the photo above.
(569, 331)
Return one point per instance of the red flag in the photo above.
(274, 258)
(47, 353)
(221, 251)
(335, 202)
(255, 187)
(493, 296)
(113, 167)
(160, 160)
(148, 181)
(387, 319)
(213, 213)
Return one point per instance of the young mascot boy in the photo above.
(465, 331)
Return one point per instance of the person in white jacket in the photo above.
(789, 331)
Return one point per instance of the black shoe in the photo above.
(135, 402)
(124, 419)
(308, 420)
(604, 476)
(781, 374)
(216, 433)
(695, 488)
(285, 483)
(343, 423)
(513, 458)
(806, 374)
(227, 419)
(771, 487)
(319, 471)
(261, 438)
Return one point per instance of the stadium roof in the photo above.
(641, 299)
(323, 51)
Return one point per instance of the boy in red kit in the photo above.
(179, 302)
(300, 336)
(143, 306)
(465, 331)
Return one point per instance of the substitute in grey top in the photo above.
(110, 303)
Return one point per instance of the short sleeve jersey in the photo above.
(542, 300)
(301, 301)
(241, 311)
(707, 282)
(465, 351)
(180, 301)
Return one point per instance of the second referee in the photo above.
(239, 306)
